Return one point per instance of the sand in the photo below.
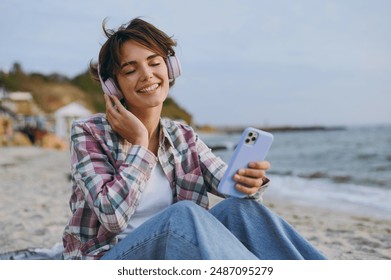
(35, 190)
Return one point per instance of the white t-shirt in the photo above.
(156, 197)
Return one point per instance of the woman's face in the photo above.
(143, 77)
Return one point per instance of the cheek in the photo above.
(164, 77)
(164, 72)
(126, 83)
(166, 84)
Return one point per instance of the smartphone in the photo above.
(253, 145)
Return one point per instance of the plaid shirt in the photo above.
(109, 175)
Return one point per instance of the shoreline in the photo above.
(35, 191)
(239, 129)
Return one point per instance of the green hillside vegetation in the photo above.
(51, 92)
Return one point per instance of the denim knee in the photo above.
(184, 210)
(184, 206)
(236, 207)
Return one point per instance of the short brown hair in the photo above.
(137, 30)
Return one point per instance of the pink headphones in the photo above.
(174, 71)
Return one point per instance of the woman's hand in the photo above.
(249, 180)
(125, 123)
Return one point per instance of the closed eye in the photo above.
(156, 61)
(129, 72)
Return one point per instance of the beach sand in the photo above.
(35, 190)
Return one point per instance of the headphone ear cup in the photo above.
(174, 67)
(110, 88)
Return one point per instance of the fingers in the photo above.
(109, 104)
(253, 173)
(247, 185)
(265, 165)
(113, 105)
(125, 123)
(246, 190)
(112, 111)
(249, 180)
(108, 101)
(117, 104)
(115, 111)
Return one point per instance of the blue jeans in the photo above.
(236, 229)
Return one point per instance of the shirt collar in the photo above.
(165, 132)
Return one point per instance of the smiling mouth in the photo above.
(149, 89)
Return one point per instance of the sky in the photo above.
(254, 62)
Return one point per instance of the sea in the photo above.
(348, 168)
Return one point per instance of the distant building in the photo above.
(7, 117)
(3, 93)
(23, 106)
(66, 115)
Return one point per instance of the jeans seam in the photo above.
(143, 242)
(173, 233)
(182, 237)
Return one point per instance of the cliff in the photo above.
(51, 92)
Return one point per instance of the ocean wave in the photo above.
(356, 197)
(382, 168)
(356, 156)
(338, 179)
(367, 156)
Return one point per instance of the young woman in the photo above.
(140, 182)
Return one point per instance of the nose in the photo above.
(146, 73)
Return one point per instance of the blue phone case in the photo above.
(254, 145)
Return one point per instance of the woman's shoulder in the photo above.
(94, 124)
(95, 119)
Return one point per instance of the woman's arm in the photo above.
(112, 192)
